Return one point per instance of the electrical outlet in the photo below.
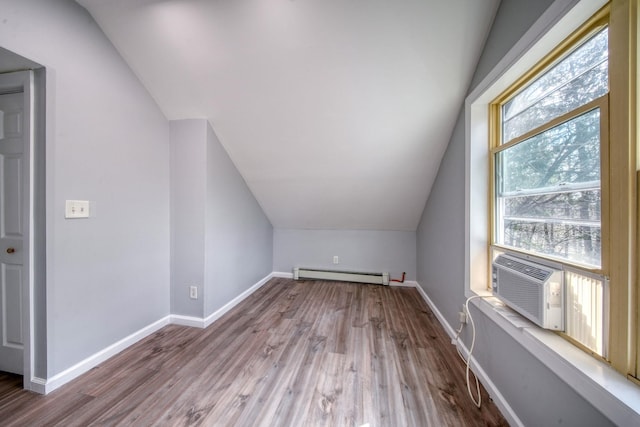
(193, 292)
(336, 259)
(462, 316)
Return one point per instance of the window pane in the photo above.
(557, 103)
(548, 192)
(528, 224)
(579, 207)
(565, 155)
(576, 80)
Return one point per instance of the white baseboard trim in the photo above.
(194, 322)
(502, 404)
(36, 385)
(282, 275)
(237, 300)
(447, 327)
(497, 397)
(42, 386)
(92, 361)
(405, 284)
(199, 322)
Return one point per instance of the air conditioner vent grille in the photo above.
(525, 294)
(526, 269)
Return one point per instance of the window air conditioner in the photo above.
(533, 290)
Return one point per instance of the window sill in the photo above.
(607, 390)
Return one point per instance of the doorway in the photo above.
(17, 135)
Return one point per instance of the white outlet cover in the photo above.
(76, 209)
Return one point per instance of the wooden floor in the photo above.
(306, 353)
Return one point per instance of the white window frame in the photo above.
(607, 390)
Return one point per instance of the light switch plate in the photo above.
(76, 209)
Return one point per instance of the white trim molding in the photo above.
(199, 322)
(92, 361)
(237, 300)
(43, 386)
(282, 275)
(191, 321)
(24, 82)
(502, 404)
(36, 385)
(405, 284)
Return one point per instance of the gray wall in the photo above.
(106, 141)
(361, 250)
(239, 237)
(537, 395)
(221, 241)
(188, 201)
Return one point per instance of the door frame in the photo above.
(23, 81)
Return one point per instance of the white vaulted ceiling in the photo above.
(335, 112)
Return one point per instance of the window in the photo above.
(550, 172)
(548, 160)
(548, 192)
(563, 178)
(604, 288)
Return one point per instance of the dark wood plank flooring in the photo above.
(307, 353)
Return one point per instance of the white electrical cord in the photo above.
(478, 402)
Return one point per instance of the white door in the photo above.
(12, 232)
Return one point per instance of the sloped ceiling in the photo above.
(335, 112)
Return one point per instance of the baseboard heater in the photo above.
(344, 276)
